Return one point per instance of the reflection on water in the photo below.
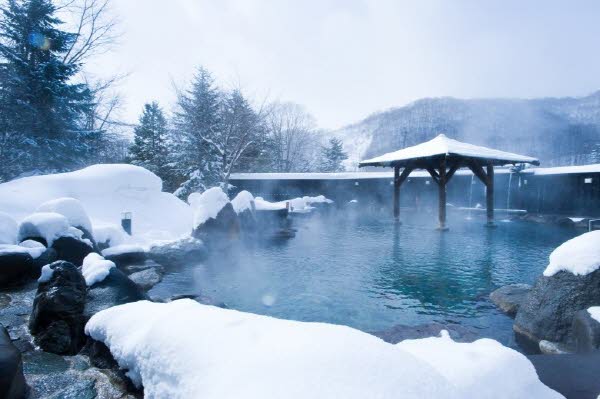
(372, 273)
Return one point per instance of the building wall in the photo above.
(568, 194)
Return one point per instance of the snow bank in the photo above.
(8, 229)
(34, 251)
(123, 249)
(594, 311)
(183, 349)
(47, 225)
(299, 205)
(95, 268)
(482, 369)
(70, 208)
(242, 201)
(110, 234)
(580, 255)
(47, 273)
(208, 204)
(105, 191)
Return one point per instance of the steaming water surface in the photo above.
(372, 274)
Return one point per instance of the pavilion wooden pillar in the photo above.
(397, 193)
(442, 181)
(489, 195)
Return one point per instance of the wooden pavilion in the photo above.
(442, 157)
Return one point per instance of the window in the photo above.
(588, 180)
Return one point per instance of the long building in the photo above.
(571, 190)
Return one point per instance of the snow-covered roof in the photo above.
(560, 170)
(442, 145)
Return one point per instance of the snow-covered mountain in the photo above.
(559, 131)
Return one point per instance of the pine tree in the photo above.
(332, 156)
(197, 117)
(149, 148)
(41, 110)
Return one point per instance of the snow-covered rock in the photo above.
(586, 330)
(183, 349)
(95, 269)
(16, 265)
(109, 235)
(71, 209)
(242, 202)
(105, 192)
(579, 256)
(48, 226)
(208, 204)
(8, 229)
(298, 205)
(46, 275)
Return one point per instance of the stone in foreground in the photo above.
(510, 297)
(12, 381)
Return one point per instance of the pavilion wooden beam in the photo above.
(443, 179)
(398, 180)
(489, 195)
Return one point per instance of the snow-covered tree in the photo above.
(149, 148)
(332, 156)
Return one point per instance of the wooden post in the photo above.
(442, 195)
(489, 195)
(397, 193)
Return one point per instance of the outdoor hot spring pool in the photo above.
(372, 274)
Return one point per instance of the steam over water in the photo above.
(372, 274)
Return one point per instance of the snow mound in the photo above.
(35, 252)
(95, 269)
(70, 208)
(105, 192)
(242, 201)
(483, 369)
(123, 249)
(47, 273)
(299, 205)
(47, 225)
(579, 255)
(110, 234)
(208, 204)
(8, 229)
(183, 349)
(594, 311)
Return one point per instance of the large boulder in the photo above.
(146, 279)
(72, 209)
(221, 229)
(71, 249)
(402, 332)
(57, 320)
(16, 267)
(510, 297)
(12, 381)
(115, 289)
(125, 254)
(586, 331)
(178, 253)
(547, 312)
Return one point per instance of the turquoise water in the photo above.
(372, 274)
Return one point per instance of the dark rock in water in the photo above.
(586, 332)
(574, 375)
(12, 381)
(57, 318)
(123, 259)
(100, 355)
(84, 389)
(115, 289)
(146, 279)
(218, 231)
(141, 266)
(401, 332)
(248, 222)
(15, 268)
(179, 253)
(47, 257)
(547, 312)
(71, 249)
(510, 297)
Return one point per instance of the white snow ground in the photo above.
(579, 255)
(184, 349)
(105, 191)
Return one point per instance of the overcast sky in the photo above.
(344, 59)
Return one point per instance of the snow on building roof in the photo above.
(442, 145)
(559, 170)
